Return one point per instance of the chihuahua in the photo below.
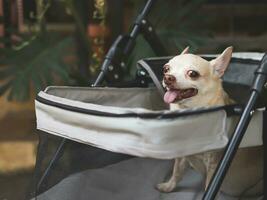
(191, 82)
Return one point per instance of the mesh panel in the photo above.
(74, 157)
(237, 79)
(83, 172)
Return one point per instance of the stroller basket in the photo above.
(118, 123)
(135, 121)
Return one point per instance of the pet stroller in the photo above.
(117, 143)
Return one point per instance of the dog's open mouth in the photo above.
(173, 95)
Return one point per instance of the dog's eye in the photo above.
(193, 74)
(166, 69)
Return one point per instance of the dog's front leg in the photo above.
(210, 171)
(177, 173)
(211, 161)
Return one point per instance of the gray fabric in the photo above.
(133, 179)
(237, 81)
(238, 76)
(240, 73)
(148, 98)
(156, 138)
(153, 76)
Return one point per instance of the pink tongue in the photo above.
(170, 96)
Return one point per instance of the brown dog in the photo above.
(191, 82)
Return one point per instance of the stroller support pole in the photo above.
(124, 44)
(231, 149)
(54, 159)
(113, 53)
(217, 179)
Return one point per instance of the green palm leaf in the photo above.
(37, 64)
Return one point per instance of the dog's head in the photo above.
(193, 81)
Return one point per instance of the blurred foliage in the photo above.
(39, 58)
(36, 64)
(176, 23)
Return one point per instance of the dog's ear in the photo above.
(186, 50)
(221, 63)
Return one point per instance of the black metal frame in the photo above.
(264, 139)
(233, 144)
(118, 52)
(123, 46)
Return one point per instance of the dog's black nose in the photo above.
(169, 79)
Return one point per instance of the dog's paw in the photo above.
(167, 186)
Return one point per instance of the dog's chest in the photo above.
(204, 161)
(209, 157)
(207, 161)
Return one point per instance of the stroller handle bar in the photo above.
(235, 140)
(124, 44)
